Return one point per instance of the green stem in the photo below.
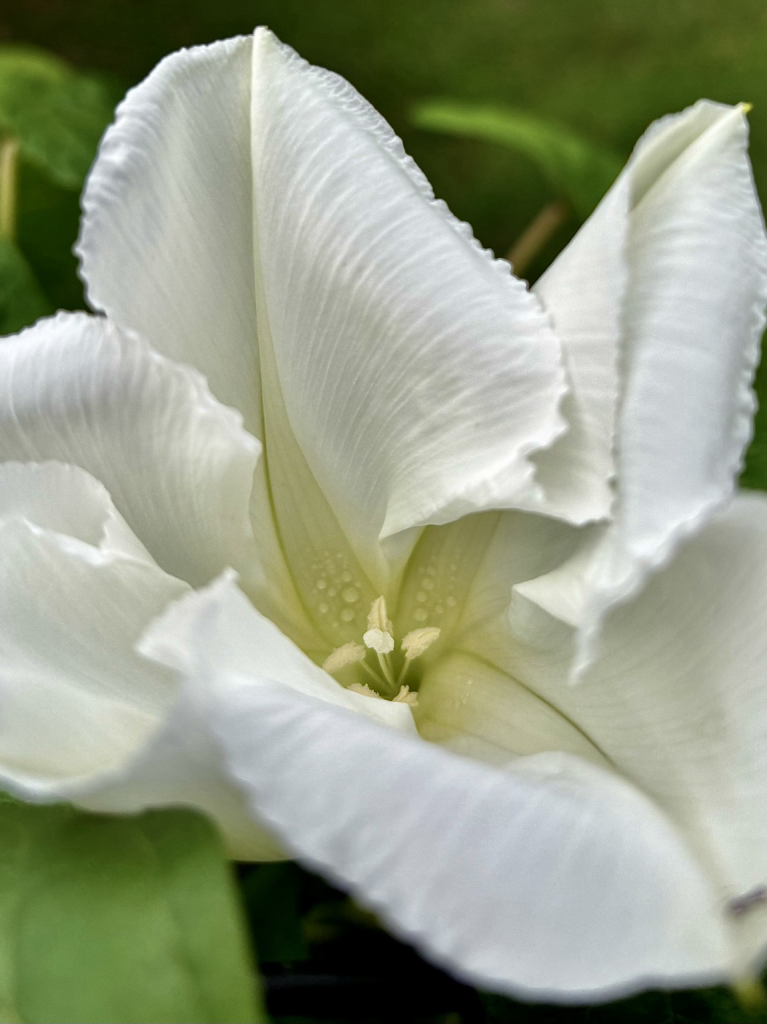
(9, 161)
(536, 235)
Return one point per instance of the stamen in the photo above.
(379, 637)
(371, 672)
(406, 697)
(417, 641)
(364, 690)
(348, 654)
(377, 617)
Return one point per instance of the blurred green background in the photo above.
(605, 68)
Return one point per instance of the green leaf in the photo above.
(129, 919)
(47, 224)
(57, 114)
(21, 298)
(578, 170)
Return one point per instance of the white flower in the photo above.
(404, 494)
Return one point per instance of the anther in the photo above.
(377, 617)
(417, 641)
(414, 643)
(348, 654)
(406, 697)
(364, 690)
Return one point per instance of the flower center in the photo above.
(386, 668)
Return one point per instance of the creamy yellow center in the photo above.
(385, 663)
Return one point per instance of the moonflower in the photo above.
(327, 525)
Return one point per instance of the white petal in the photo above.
(677, 698)
(166, 242)
(553, 880)
(83, 716)
(177, 465)
(180, 764)
(669, 278)
(69, 501)
(417, 374)
(693, 319)
(583, 291)
(75, 697)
